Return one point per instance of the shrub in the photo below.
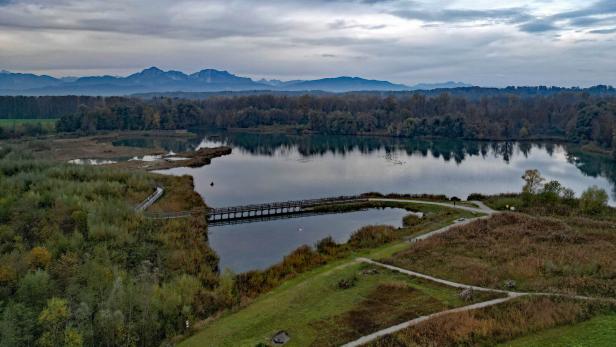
(327, 246)
(476, 196)
(39, 257)
(593, 200)
(252, 283)
(410, 220)
(347, 283)
(372, 236)
(502, 202)
(551, 192)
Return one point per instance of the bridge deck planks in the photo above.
(285, 207)
(257, 210)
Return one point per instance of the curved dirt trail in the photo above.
(481, 209)
(369, 338)
(510, 294)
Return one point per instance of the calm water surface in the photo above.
(244, 247)
(277, 167)
(264, 168)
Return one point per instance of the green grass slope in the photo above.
(599, 331)
(315, 311)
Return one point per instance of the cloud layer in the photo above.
(518, 42)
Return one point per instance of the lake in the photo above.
(272, 167)
(258, 245)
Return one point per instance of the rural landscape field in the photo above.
(307, 173)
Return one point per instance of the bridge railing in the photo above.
(150, 199)
(255, 207)
(284, 204)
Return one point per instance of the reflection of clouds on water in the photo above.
(277, 168)
(258, 245)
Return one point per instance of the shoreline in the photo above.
(588, 148)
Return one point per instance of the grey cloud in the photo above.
(598, 13)
(343, 24)
(601, 7)
(601, 12)
(510, 15)
(538, 26)
(306, 39)
(603, 31)
(137, 18)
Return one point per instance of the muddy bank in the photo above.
(99, 146)
(197, 158)
(99, 149)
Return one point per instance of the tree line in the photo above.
(578, 117)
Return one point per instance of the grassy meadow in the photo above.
(541, 320)
(599, 331)
(575, 255)
(314, 310)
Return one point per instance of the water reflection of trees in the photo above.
(319, 145)
(168, 143)
(593, 165)
(448, 150)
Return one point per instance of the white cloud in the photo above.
(481, 42)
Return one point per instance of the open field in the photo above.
(508, 321)
(538, 254)
(87, 147)
(101, 147)
(599, 331)
(315, 311)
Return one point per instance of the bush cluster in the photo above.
(79, 267)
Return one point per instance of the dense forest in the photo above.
(79, 267)
(576, 117)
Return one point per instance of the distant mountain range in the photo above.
(154, 80)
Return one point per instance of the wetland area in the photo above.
(277, 167)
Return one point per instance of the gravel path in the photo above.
(510, 294)
(481, 209)
(369, 338)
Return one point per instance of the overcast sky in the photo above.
(484, 42)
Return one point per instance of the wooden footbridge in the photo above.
(276, 208)
(229, 215)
